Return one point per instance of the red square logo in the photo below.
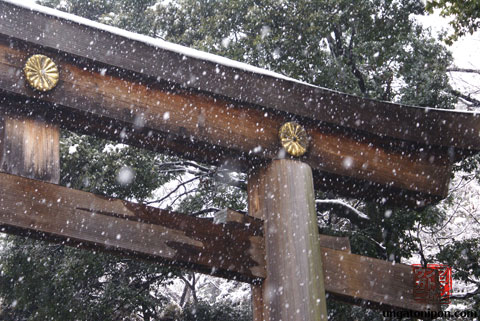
(432, 284)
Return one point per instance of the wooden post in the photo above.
(282, 195)
(29, 148)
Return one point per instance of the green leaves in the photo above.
(465, 14)
(44, 281)
(98, 166)
(361, 47)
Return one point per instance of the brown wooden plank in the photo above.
(226, 128)
(294, 287)
(87, 218)
(335, 242)
(426, 126)
(229, 250)
(30, 147)
(257, 302)
(371, 282)
(227, 215)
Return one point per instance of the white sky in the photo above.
(465, 54)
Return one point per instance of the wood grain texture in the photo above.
(348, 277)
(421, 125)
(55, 213)
(230, 216)
(30, 147)
(257, 302)
(80, 217)
(371, 282)
(294, 287)
(225, 129)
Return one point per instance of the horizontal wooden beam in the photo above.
(232, 249)
(218, 129)
(370, 282)
(172, 63)
(229, 216)
(85, 218)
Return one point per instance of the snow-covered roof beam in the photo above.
(165, 97)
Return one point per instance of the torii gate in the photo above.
(116, 85)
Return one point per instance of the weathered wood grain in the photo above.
(294, 287)
(421, 125)
(229, 216)
(29, 147)
(186, 241)
(370, 282)
(227, 129)
(51, 212)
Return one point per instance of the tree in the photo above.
(466, 16)
(371, 48)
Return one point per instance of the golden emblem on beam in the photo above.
(294, 138)
(41, 72)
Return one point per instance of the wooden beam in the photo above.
(225, 216)
(281, 194)
(370, 282)
(29, 147)
(420, 125)
(83, 217)
(51, 212)
(228, 129)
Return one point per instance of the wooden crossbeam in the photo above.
(82, 42)
(231, 249)
(85, 218)
(98, 99)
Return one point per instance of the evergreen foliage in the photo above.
(371, 48)
(465, 14)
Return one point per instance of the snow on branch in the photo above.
(343, 209)
(466, 70)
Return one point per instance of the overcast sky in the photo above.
(465, 53)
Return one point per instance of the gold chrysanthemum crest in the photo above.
(41, 72)
(294, 138)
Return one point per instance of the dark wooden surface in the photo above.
(282, 195)
(216, 129)
(235, 218)
(29, 147)
(426, 126)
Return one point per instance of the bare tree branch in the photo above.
(466, 295)
(342, 209)
(174, 190)
(467, 70)
(475, 102)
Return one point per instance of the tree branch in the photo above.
(467, 70)
(468, 98)
(466, 295)
(174, 190)
(342, 209)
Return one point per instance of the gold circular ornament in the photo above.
(294, 138)
(41, 72)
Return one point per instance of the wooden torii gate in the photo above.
(162, 97)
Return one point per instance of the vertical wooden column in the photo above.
(30, 148)
(281, 194)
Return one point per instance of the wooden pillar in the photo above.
(30, 148)
(281, 194)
